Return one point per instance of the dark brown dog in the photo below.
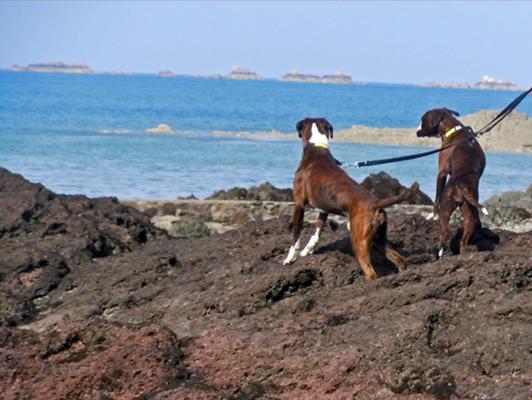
(320, 183)
(464, 163)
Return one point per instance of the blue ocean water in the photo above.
(51, 124)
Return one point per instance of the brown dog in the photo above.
(322, 184)
(464, 163)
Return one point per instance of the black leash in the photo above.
(503, 114)
(494, 122)
(369, 163)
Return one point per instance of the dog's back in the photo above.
(336, 189)
(465, 165)
(466, 157)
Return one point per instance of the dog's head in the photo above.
(314, 130)
(432, 120)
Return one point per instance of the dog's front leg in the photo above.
(440, 183)
(297, 226)
(313, 241)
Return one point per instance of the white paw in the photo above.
(292, 255)
(289, 260)
(440, 253)
(306, 252)
(484, 210)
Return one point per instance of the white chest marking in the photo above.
(317, 137)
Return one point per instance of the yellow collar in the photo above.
(452, 131)
(321, 145)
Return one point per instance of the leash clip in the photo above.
(348, 165)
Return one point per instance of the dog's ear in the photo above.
(435, 118)
(299, 127)
(329, 128)
(455, 113)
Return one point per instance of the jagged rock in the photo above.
(43, 236)
(264, 192)
(383, 185)
(187, 225)
(511, 210)
(512, 199)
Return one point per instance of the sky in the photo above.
(399, 42)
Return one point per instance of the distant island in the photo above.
(113, 73)
(211, 76)
(236, 73)
(63, 68)
(243, 74)
(240, 73)
(339, 77)
(166, 74)
(58, 66)
(486, 83)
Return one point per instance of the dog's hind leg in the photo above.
(362, 240)
(445, 215)
(470, 215)
(383, 247)
(297, 226)
(387, 251)
(313, 241)
(362, 251)
(395, 257)
(440, 184)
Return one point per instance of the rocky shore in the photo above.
(96, 302)
(228, 210)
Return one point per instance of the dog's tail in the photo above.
(468, 196)
(390, 201)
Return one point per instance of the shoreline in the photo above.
(513, 135)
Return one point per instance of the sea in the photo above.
(86, 134)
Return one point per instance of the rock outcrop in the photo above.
(227, 210)
(511, 210)
(513, 134)
(45, 236)
(264, 192)
(160, 129)
(382, 185)
(142, 316)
